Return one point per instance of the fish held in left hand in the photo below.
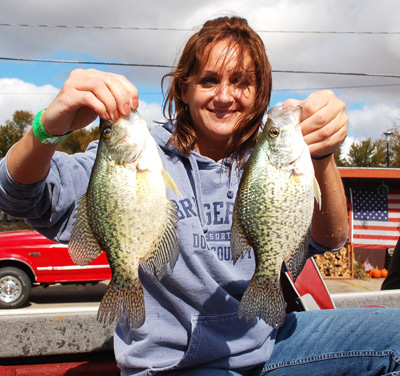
(125, 212)
(273, 212)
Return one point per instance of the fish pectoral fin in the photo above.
(298, 257)
(317, 193)
(169, 182)
(166, 249)
(239, 243)
(83, 247)
(126, 300)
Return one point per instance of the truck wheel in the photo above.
(15, 288)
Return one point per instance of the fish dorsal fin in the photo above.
(166, 249)
(170, 183)
(83, 247)
(317, 193)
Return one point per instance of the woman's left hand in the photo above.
(324, 121)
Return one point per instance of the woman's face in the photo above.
(218, 96)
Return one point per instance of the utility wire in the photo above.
(184, 29)
(171, 66)
(85, 62)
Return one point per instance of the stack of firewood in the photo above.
(336, 264)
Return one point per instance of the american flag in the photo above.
(376, 219)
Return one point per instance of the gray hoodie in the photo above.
(191, 314)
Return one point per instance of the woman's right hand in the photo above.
(85, 95)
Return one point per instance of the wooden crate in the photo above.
(337, 265)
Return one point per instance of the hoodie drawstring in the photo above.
(197, 189)
(229, 194)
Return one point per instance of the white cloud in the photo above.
(151, 112)
(371, 121)
(19, 95)
(287, 51)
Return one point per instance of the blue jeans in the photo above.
(359, 342)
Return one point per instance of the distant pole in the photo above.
(387, 135)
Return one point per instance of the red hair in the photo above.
(195, 55)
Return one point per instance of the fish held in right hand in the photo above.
(126, 213)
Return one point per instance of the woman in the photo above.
(220, 91)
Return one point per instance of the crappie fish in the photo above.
(126, 213)
(273, 212)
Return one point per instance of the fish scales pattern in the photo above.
(127, 214)
(272, 214)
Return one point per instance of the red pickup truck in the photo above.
(27, 258)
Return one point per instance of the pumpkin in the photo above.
(376, 273)
(370, 273)
(384, 273)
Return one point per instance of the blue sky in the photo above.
(339, 45)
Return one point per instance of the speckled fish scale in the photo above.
(126, 213)
(273, 212)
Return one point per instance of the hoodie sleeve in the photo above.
(48, 205)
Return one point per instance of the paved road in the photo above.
(67, 295)
(353, 285)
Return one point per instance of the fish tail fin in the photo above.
(263, 299)
(130, 302)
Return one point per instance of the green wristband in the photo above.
(42, 135)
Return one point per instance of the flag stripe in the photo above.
(378, 236)
(376, 219)
(365, 225)
(377, 231)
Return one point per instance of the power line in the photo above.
(55, 61)
(171, 66)
(185, 29)
(340, 73)
(334, 87)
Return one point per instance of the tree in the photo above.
(79, 140)
(395, 148)
(367, 154)
(13, 130)
(338, 157)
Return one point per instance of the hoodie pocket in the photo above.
(225, 340)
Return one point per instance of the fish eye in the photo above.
(274, 132)
(107, 132)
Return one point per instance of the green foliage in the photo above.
(79, 140)
(13, 130)
(374, 154)
(339, 158)
(395, 148)
(367, 154)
